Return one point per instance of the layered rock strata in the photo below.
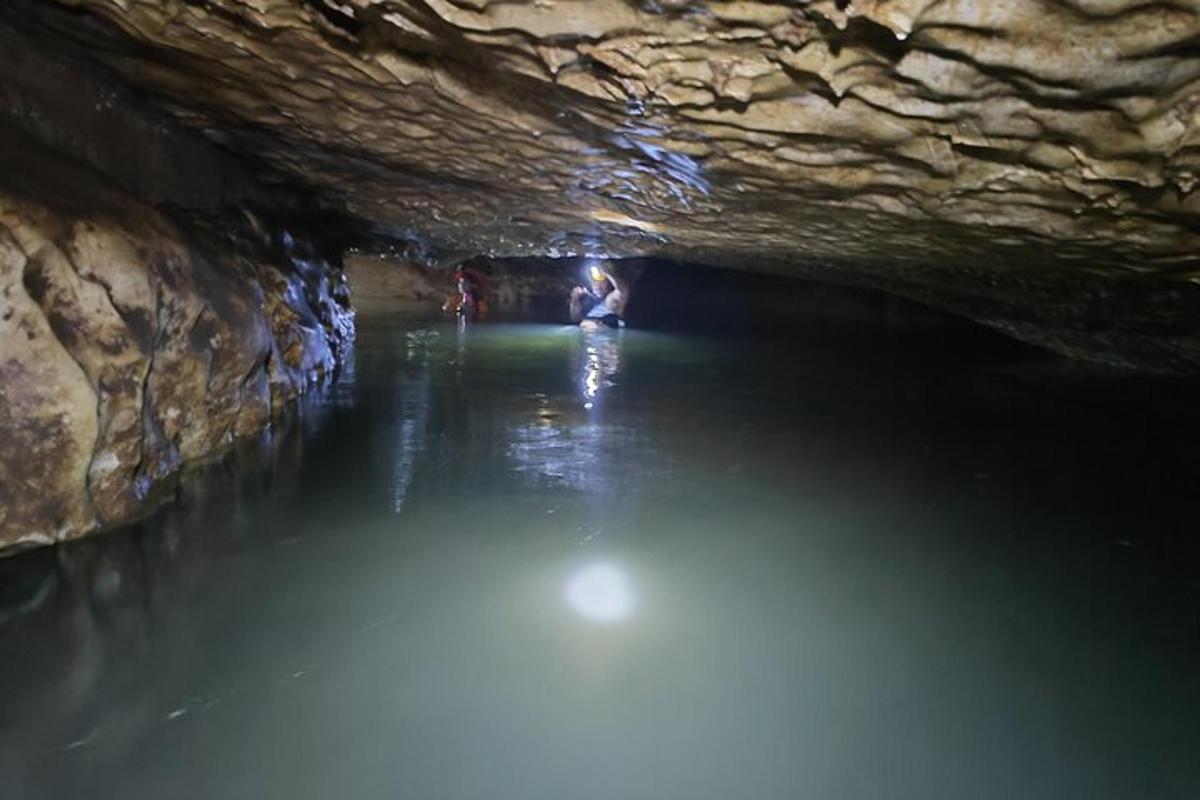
(131, 343)
(1031, 164)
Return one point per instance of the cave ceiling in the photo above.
(914, 142)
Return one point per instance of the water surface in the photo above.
(516, 561)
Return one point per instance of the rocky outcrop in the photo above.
(1029, 164)
(131, 343)
(397, 279)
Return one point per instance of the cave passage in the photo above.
(599, 400)
(514, 560)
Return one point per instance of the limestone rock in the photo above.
(392, 278)
(509, 282)
(129, 345)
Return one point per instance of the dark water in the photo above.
(512, 561)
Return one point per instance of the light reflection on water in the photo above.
(601, 592)
(412, 390)
(517, 561)
(602, 362)
(563, 448)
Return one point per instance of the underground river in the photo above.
(515, 561)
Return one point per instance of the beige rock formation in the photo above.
(129, 345)
(509, 282)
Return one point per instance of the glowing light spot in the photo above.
(591, 379)
(601, 593)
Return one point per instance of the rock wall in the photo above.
(397, 279)
(131, 343)
(53, 93)
(510, 282)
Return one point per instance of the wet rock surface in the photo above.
(1029, 165)
(508, 283)
(131, 343)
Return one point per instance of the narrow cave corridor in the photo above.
(599, 400)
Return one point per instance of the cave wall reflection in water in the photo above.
(513, 560)
(87, 627)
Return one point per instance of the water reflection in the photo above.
(573, 444)
(600, 592)
(561, 448)
(93, 621)
(788, 572)
(600, 365)
(412, 388)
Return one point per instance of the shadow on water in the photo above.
(516, 560)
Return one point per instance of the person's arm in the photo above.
(577, 303)
(618, 298)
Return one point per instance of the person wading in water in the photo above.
(600, 303)
(468, 298)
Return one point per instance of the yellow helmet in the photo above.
(596, 274)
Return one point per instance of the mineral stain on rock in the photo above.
(133, 360)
